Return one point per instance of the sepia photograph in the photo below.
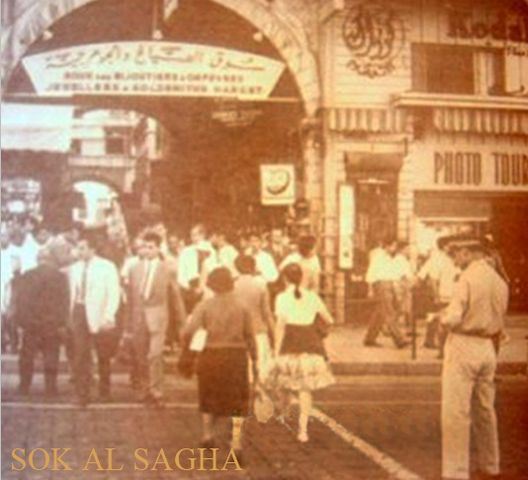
(264, 239)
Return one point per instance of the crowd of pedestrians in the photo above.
(246, 317)
(246, 313)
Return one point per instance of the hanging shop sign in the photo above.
(153, 68)
(277, 184)
(491, 169)
(236, 114)
(347, 221)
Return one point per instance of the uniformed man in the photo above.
(474, 319)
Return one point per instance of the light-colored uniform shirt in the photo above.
(480, 301)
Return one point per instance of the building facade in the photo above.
(406, 108)
(426, 116)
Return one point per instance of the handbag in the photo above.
(189, 357)
(198, 340)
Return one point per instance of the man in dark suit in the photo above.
(151, 281)
(42, 303)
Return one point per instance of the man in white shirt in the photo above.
(6, 272)
(95, 297)
(474, 319)
(381, 276)
(224, 254)
(441, 271)
(265, 264)
(191, 275)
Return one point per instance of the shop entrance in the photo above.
(501, 215)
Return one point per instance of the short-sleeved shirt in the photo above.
(299, 311)
(480, 301)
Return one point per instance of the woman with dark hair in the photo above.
(223, 377)
(300, 364)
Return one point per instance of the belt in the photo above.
(474, 333)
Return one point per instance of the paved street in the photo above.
(364, 427)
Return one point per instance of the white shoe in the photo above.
(302, 437)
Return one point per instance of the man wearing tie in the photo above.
(95, 296)
(151, 282)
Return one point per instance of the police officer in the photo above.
(474, 320)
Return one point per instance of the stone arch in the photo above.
(273, 20)
(105, 178)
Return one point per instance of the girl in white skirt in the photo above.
(300, 365)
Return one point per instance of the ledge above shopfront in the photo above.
(471, 113)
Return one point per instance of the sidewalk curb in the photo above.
(414, 369)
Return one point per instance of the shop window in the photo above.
(458, 69)
(489, 72)
(442, 69)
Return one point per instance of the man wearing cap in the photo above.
(474, 320)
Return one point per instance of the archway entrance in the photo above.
(212, 155)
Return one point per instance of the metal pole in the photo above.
(413, 326)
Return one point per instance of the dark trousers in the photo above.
(83, 344)
(385, 313)
(35, 340)
(10, 340)
(173, 328)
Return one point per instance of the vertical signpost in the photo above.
(347, 211)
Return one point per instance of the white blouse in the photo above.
(300, 311)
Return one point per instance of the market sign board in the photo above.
(487, 168)
(277, 184)
(153, 68)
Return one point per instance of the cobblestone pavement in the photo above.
(398, 417)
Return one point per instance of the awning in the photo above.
(498, 122)
(375, 120)
(36, 127)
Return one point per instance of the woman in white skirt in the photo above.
(300, 365)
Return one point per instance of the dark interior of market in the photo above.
(216, 146)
